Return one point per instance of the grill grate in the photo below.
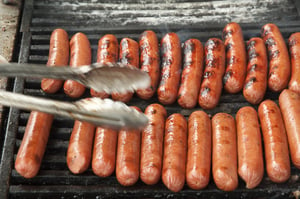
(198, 19)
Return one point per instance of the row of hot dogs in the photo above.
(180, 151)
(155, 160)
(190, 73)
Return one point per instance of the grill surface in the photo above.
(200, 20)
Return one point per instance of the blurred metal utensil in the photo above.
(101, 112)
(111, 77)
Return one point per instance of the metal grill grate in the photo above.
(198, 19)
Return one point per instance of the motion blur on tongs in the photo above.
(100, 77)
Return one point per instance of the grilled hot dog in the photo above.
(211, 86)
(275, 142)
(250, 156)
(175, 148)
(152, 144)
(279, 61)
(80, 55)
(256, 80)
(171, 68)
(58, 56)
(199, 150)
(224, 152)
(150, 62)
(236, 58)
(294, 45)
(34, 142)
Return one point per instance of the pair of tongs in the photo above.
(100, 77)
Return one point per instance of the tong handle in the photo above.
(38, 71)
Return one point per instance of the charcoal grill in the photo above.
(197, 19)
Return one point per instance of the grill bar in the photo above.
(197, 19)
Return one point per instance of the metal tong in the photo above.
(101, 77)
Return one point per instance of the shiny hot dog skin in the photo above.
(128, 156)
(150, 62)
(171, 68)
(279, 61)
(34, 142)
(191, 74)
(199, 150)
(152, 144)
(250, 156)
(236, 58)
(289, 102)
(211, 86)
(80, 55)
(108, 49)
(275, 142)
(104, 151)
(58, 56)
(224, 152)
(294, 46)
(175, 148)
(80, 147)
(257, 71)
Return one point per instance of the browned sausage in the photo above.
(175, 148)
(171, 68)
(80, 147)
(289, 102)
(152, 144)
(107, 53)
(80, 55)
(58, 56)
(199, 150)
(104, 152)
(128, 156)
(211, 86)
(236, 58)
(34, 142)
(224, 152)
(275, 142)
(191, 74)
(250, 156)
(150, 62)
(257, 71)
(279, 61)
(129, 54)
(294, 45)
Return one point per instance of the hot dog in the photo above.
(275, 142)
(171, 68)
(150, 62)
(191, 74)
(104, 152)
(107, 53)
(128, 156)
(80, 55)
(80, 147)
(236, 58)
(211, 86)
(129, 54)
(199, 150)
(175, 148)
(152, 144)
(279, 61)
(224, 152)
(58, 56)
(256, 80)
(250, 156)
(289, 105)
(294, 46)
(34, 142)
